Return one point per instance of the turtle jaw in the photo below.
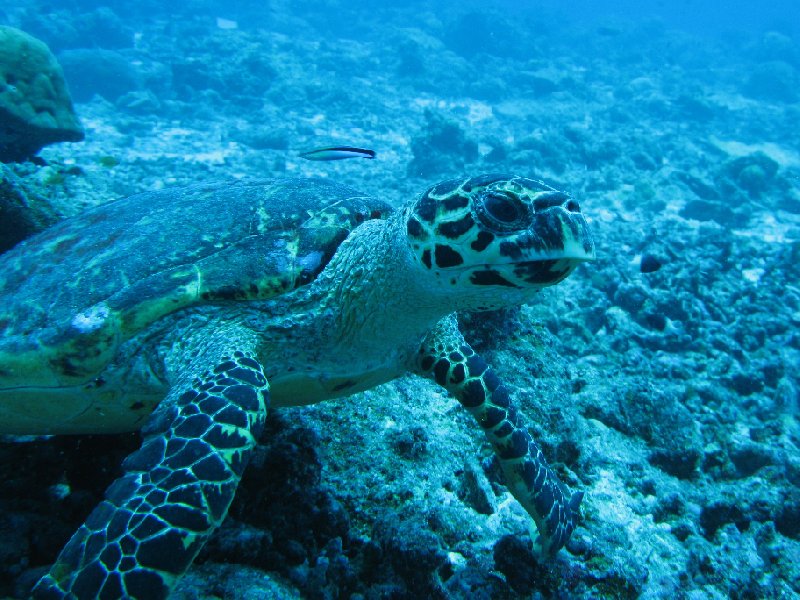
(530, 274)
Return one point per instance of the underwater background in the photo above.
(661, 379)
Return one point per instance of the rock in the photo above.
(514, 559)
(64, 29)
(103, 72)
(23, 211)
(35, 106)
(443, 148)
(705, 210)
(774, 81)
(753, 173)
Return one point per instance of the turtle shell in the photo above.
(72, 294)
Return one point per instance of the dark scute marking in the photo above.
(473, 394)
(165, 552)
(225, 292)
(221, 439)
(193, 450)
(248, 376)
(540, 272)
(65, 366)
(188, 397)
(484, 180)
(232, 416)
(551, 524)
(414, 228)
(218, 499)
(144, 584)
(118, 524)
(110, 556)
(175, 445)
(238, 463)
(447, 257)
(455, 202)
(511, 250)
(176, 479)
(493, 417)
(211, 468)
(102, 513)
(87, 583)
(519, 444)
(188, 495)
(249, 362)
(427, 363)
(93, 545)
(225, 366)
(440, 371)
(489, 277)
(156, 497)
(466, 350)
(112, 589)
(550, 232)
(482, 241)
(127, 563)
(455, 357)
(454, 229)
(183, 517)
(445, 187)
(145, 458)
(194, 426)
(459, 373)
(491, 380)
(426, 209)
(148, 527)
(529, 473)
(504, 430)
(476, 365)
(543, 501)
(500, 396)
(243, 396)
(128, 545)
(211, 404)
(344, 385)
(426, 258)
(545, 200)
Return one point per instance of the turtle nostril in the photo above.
(572, 206)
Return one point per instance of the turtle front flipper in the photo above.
(447, 359)
(175, 491)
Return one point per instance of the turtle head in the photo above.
(495, 239)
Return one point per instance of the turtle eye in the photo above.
(502, 212)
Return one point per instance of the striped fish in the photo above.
(337, 153)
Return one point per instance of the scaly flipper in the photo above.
(447, 359)
(175, 492)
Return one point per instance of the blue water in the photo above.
(704, 17)
(661, 380)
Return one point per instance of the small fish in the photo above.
(338, 153)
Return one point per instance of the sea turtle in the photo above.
(185, 312)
